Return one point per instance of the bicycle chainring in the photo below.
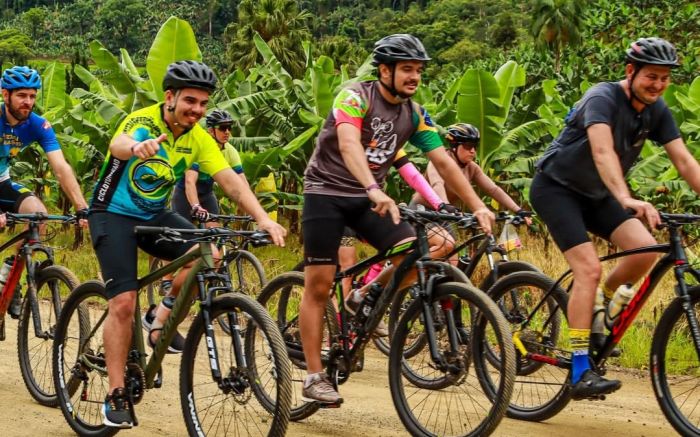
(135, 381)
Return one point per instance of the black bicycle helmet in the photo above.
(655, 51)
(398, 47)
(461, 133)
(218, 117)
(189, 74)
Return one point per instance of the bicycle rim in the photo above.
(79, 369)
(449, 402)
(252, 399)
(675, 367)
(53, 284)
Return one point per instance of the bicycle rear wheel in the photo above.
(541, 390)
(254, 394)
(247, 273)
(675, 366)
(79, 368)
(53, 284)
(464, 408)
(281, 297)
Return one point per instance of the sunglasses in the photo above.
(467, 146)
(224, 128)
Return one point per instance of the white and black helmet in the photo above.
(189, 74)
(655, 51)
(398, 47)
(218, 117)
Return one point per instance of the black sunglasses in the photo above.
(224, 128)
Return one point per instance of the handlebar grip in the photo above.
(149, 230)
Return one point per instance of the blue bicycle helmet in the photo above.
(20, 77)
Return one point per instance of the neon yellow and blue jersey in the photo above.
(15, 138)
(205, 183)
(141, 188)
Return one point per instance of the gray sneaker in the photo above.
(318, 388)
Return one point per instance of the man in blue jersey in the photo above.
(21, 127)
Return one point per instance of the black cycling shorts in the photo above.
(324, 218)
(569, 215)
(11, 195)
(115, 244)
(182, 206)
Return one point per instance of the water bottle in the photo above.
(365, 308)
(619, 301)
(5, 271)
(372, 273)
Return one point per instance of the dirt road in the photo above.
(368, 409)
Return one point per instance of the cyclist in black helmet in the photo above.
(580, 186)
(368, 125)
(149, 152)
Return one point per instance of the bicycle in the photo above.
(226, 379)
(47, 284)
(246, 270)
(431, 314)
(486, 246)
(538, 318)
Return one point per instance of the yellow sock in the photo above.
(579, 338)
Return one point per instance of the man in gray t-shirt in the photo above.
(580, 187)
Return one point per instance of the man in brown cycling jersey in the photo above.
(369, 123)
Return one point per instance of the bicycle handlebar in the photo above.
(222, 218)
(13, 218)
(256, 238)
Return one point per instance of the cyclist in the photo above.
(580, 186)
(368, 124)
(463, 140)
(149, 151)
(194, 193)
(21, 126)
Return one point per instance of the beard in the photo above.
(16, 112)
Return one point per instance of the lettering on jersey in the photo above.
(144, 121)
(185, 150)
(106, 183)
(383, 143)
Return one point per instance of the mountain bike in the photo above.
(47, 285)
(431, 314)
(246, 270)
(538, 319)
(484, 246)
(230, 382)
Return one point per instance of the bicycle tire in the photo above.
(193, 373)
(253, 278)
(669, 351)
(53, 283)
(505, 268)
(399, 304)
(489, 315)
(281, 298)
(541, 390)
(82, 414)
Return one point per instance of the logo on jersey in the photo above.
(383, 143)
(46, 125)
(426, 117)
(152, 178)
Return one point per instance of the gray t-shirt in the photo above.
(569, 160)
(385, 127)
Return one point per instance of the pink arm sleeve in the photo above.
(415, 180)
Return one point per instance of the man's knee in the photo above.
(317, 283)
(123, 305)
(31, 204)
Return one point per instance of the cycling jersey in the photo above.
(205, 183)
(569, 161)
(385, 128)
(141, 188)
(15, 138)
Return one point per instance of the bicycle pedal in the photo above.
(158, 382)
(596, 398)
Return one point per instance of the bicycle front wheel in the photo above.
(34, 346)
(247, 273)
(254, 394)
(675, 366)
(79, 368)
(541, 390)
(464, 408)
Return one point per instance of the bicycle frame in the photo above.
(31, 243)
(675, 257)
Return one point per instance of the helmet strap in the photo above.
(392, 89)
(633, 96)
